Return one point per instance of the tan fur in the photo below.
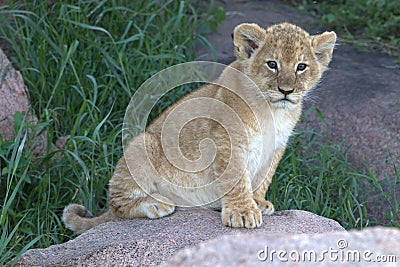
(243, 183)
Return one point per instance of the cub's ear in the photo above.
(323, 45)
(247, 37)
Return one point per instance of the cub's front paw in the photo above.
(246, 217)
(265, 206)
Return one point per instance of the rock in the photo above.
(377, 246)
(13, 96)
(359, 99)
(150, 242)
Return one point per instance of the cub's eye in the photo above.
(272, 65)
(301, 67)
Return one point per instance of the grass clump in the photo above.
(316, 175)
(371, 23)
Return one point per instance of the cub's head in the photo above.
(284, 60)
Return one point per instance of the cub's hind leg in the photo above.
(127, 198)
(153, 206)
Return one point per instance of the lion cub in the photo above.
(285, 63)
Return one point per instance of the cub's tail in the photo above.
(78, 219)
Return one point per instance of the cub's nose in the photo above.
(285, 91)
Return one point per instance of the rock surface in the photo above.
(147, 242)
(13, 96)
(370, 247)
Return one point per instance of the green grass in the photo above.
(82, 61)
(316, 175)
(367, 23)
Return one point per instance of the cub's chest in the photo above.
(283, 129)
(263, 145)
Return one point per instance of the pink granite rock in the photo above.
(377, 246)
(144, 242)
(13, 96)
